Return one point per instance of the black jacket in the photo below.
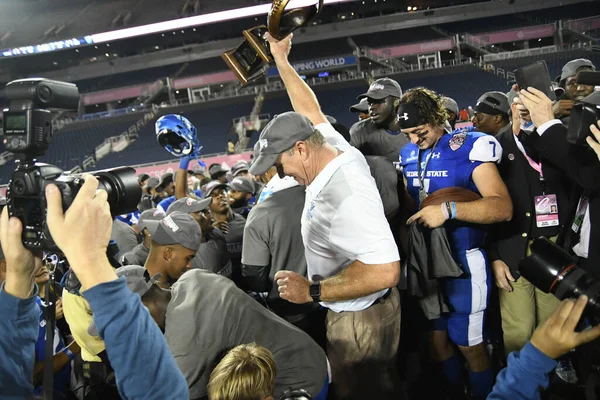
(429, 258)
(581, 165)
(508, 240)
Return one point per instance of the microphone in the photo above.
(588, 78)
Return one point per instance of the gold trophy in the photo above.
(249, 59)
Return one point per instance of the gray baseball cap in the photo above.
(240, 166)
(242, 184)
(153, 214)
(188, 205)
(493, 103)
(152, 182)
(280, 134)
(216, 170)
(211, 186)
(382, 88)
(450, 105)
(361, 107)
(176, 228)
(138, 281)
(572, 67)
(199, 169)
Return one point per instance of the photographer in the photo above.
(580, 163)
(528, 369)
(134, 344)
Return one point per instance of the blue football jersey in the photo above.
(451, 163)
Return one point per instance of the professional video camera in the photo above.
(28, 133)
(585, 113)
(552, 270)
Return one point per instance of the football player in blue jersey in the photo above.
(436, 159)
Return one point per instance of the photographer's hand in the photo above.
(557, 336)
(538, 104)
(21, 265)
(594, 144)
(83, 232)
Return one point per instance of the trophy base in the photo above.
(249, 59)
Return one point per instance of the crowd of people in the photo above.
(323, 266)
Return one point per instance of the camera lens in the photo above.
(552, 270)
(124, 191)
(44, 93)
(19, 187)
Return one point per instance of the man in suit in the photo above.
(530, 179)
(581, 165)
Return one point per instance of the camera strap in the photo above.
(50, 311)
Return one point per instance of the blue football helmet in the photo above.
(177, 135)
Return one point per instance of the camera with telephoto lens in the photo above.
(587, 112)
(27, 134)
(552, 270)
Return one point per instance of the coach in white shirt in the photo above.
(352, 258)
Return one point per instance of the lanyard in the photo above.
(420, 173)
(535, 165)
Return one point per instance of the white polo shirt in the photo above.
(343, 220)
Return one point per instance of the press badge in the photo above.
(546, 211)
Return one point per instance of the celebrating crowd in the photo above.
(321, 268)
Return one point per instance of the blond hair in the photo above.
(247, 372)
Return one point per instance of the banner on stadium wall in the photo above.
(106, 96)
(318, 65)
(415, 48)
(515, 35)
(159, 170)
(583, 24)
(203, 80)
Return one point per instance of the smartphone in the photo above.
(536, 75)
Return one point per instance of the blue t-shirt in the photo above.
(63, 377)
(131, 218)
(451, 163)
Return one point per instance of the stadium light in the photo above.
(197, 20)
(159, 27)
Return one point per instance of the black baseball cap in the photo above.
(211, 186)
(382, 88)
(280, 134)
(166, 180)
(238, 167)
(493, 103)
(143, 177)
(216, 171)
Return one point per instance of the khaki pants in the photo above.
(362, 347)
(523, 309)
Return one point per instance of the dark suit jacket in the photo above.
(508, 240)
(581, 165)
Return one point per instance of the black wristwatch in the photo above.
(315, 291)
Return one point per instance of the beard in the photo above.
(239, 203)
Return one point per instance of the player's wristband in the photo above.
(185, 162)
(452, 210)
(69, 354)
(446, 210)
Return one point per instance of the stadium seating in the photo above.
(554, 61)
(302, 52)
